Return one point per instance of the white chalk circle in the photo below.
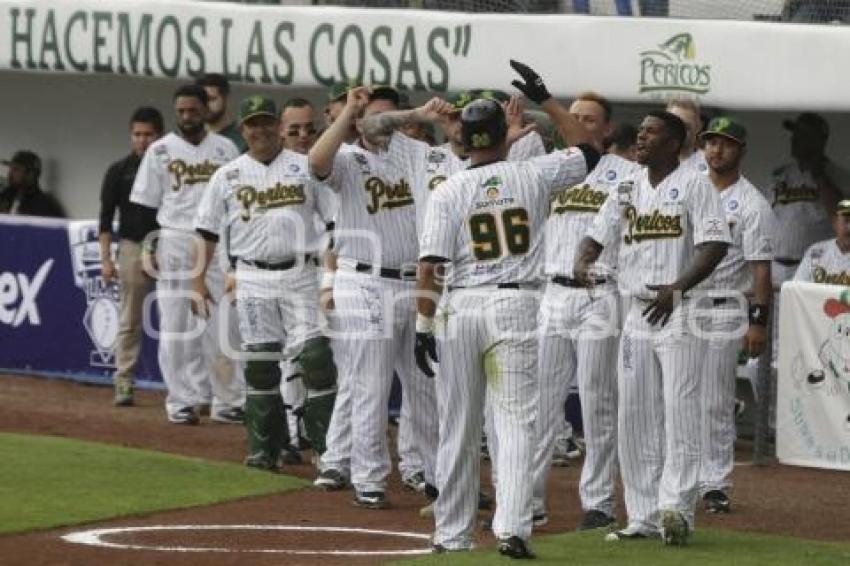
(95, 537)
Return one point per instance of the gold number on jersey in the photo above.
(488, 233)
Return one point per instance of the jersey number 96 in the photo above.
(492, 233)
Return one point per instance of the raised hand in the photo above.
(533, 86)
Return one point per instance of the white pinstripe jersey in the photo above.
(795, 198)
(267, 210)
(376, 222)
(572, 210)
(429, 166)
(753, 228)
(489, 220)
(824, 262)
(658, 227)
(174, 173)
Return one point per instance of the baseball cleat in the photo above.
(185, 416)
(573, 450)
(630, 533)
(674, 528)
(331, 480)
(485, 502)
(515, 547)
(595, 519)
(415, 482)
(716, 501)
(233, 415)
(371, 499)
(291, 456)
(260, 461)
(540, 519)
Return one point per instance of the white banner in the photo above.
(813, 407)
(736, 64)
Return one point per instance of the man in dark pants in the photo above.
(135, 223)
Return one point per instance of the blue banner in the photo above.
(57, 316)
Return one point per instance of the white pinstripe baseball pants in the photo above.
(337, 456)
(379, 315)
(488, 346)
(189, 351)
(578, 341)
(659, 416)
(718, 397)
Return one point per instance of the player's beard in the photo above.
(190, 129)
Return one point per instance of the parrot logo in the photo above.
(681, 45)
(834, 353)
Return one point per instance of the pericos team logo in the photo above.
(673, 68)
(102, 310)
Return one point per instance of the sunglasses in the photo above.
(294, 131)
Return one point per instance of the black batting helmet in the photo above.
(482, 124)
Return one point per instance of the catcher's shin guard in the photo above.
(317, 410)
(265, 415)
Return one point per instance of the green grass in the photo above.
(709, 547)
(51, 482)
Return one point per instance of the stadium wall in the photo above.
(73, 71)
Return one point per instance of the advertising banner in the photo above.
(813, 407)
(739, 64)
(57, 316)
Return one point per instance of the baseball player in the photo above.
(373, 287)
(691, 154)
(744, 271)
(429, 166)
(266, 201)
(578, 329)
(828, 261)
(172, 177)
(671, 233)
(803, 194)
(335, 464)
(486, 225)
(297, 133)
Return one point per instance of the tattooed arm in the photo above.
(377, 128)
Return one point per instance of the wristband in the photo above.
(758, 315)
(424, 324)
(327, 279)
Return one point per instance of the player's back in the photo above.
(501, 212)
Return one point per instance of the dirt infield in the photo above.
(773, 499)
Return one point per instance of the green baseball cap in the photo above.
(464, 97)
(843, 208)
(256, 106)
(338, 90)
(726, 127)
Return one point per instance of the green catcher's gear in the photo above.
(316, 359)
(265, 415)
(316, 416)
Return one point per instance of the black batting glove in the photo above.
(533, 87)
(426, 347)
